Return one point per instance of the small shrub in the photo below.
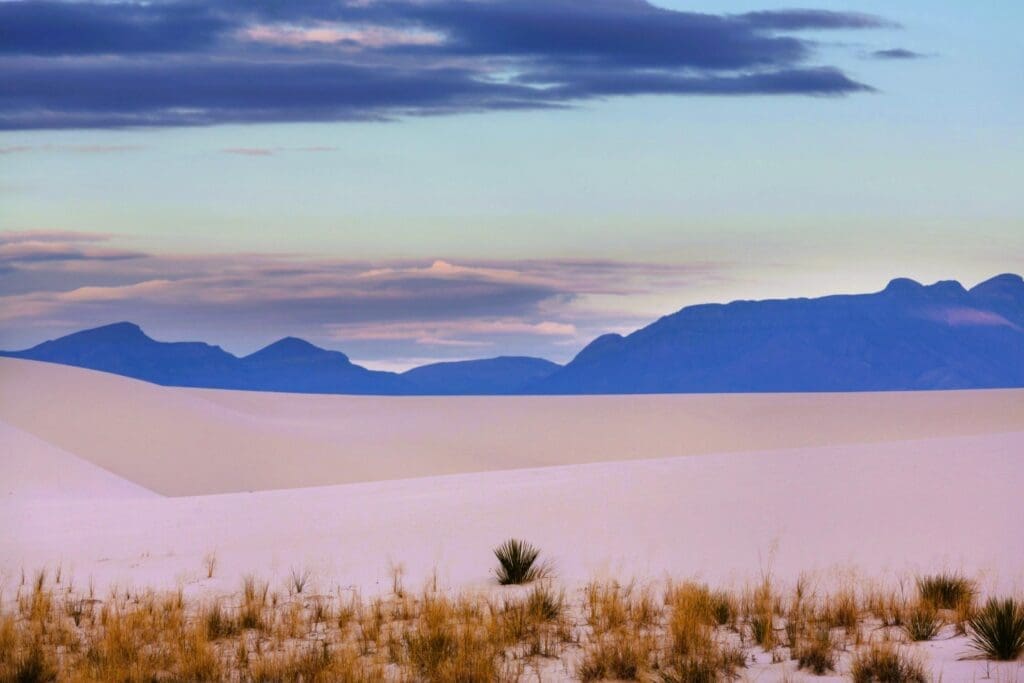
(922, 622)
(817, 654)
(946, 590)
(544, 603)
(623, 656)
(219, 624)
(722, 607)
(35, 664)
(884, 663)
(997, 629)
(517, 562)
(842, 611)
(762, 628)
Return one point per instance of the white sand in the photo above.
(31, 469)
(188, 442)
(882, 485)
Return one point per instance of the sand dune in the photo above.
(882, 509)
(878, 481)
(31, 469)
(188, 441)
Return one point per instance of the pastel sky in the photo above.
(411, 180)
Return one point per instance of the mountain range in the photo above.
(908, 336)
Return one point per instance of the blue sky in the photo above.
(549, 226)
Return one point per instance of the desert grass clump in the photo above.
(517, 562)
(760, 612)
(544, 603)
(25, 662)
(922, 621)
(254, 601)
(606, 607)
(946, 590)
(693, 653)
(623, 655)
(449, 641)
(843, 611)
(997, 629)
(816, 653)
(886, 663)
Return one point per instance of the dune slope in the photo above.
(882, 509)
(181, 442)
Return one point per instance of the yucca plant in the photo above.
(997, 629)
(517, 562)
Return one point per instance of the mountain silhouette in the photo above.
(502, 375)
(908, 336)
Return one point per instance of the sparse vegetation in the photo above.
(517, 562)
(677, 632)
(997, 629)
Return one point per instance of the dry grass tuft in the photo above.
(816, 653)
(922, 621)
(946, 590)
(886, 663)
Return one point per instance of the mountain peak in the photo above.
(292, 348)
(947, 287)
(903, 285)
(123, 331)
(1005, 285)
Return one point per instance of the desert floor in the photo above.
(123, 483)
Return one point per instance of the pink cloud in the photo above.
(334, 34)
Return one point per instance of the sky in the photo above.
(408, 181)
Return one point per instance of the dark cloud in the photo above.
(183, 62)
(45, 27)
(896, 53)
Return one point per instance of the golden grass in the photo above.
(675, 632)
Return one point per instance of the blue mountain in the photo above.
(124, 349)
(287, 365)
(908, 336)
(502, 375)
(295, 365)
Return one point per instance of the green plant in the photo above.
(946, 590)
(517, 562)
(997, 629)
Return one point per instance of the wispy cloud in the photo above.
(271, 151)
(101, 64)
(74, 149)
(54, 282)
(897, 53)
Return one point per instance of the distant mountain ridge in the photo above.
(908, 336)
